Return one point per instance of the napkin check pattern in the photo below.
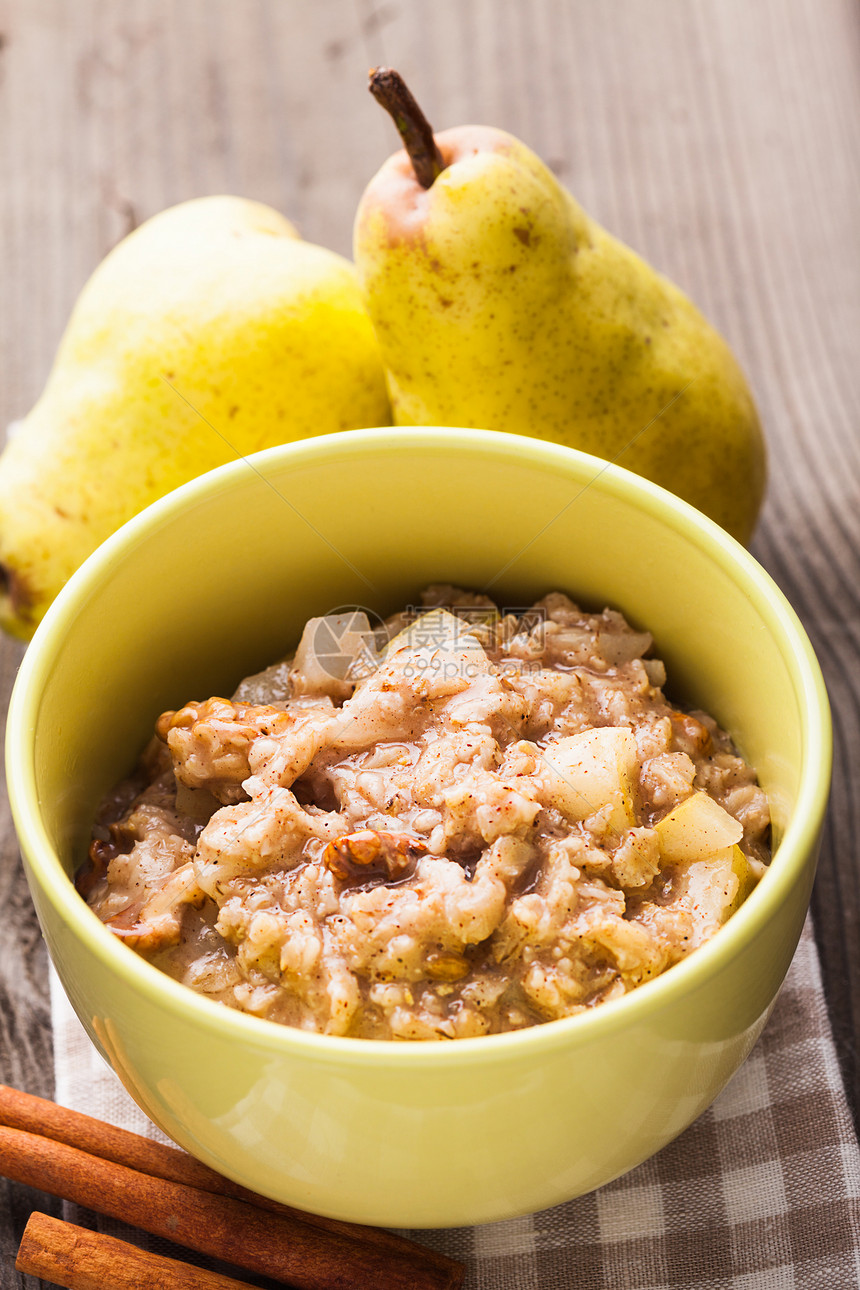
(762, 1192)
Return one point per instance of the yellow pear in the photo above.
(208, 333)
(500, 304)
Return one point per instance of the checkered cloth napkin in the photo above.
(761, 1193)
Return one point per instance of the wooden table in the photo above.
(720, 138)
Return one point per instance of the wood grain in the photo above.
(719, 138)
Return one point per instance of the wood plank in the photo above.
(719, 138)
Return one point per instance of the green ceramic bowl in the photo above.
(214, 582)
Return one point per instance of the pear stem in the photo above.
(389, 88)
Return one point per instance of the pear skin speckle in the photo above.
(554, 328)
(209, 332)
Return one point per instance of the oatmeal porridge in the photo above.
(463, 821)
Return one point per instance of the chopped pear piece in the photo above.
(328, 648)
(711, 889)
(696, 828)
(437, 655)
(436, 629)
(747, 877)
(585, 772)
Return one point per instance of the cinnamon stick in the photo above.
(77, 1259)
(19, 1110)
(270, 1244)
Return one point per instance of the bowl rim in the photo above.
(581, 1029)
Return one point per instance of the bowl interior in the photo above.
(216, 581)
